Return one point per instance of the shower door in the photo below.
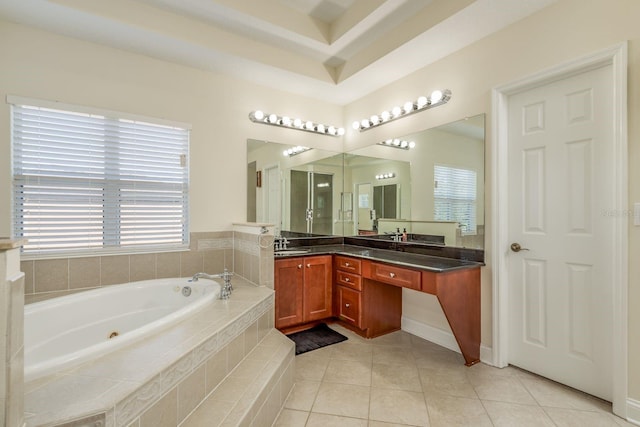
(311, 202)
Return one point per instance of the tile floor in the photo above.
(402, 380)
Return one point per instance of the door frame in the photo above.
(616, 56)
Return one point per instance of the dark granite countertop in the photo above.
(423, 262)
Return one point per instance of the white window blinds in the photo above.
(84, 181)
(455, 197)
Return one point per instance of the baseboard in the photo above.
(633, 411)
(442, 338)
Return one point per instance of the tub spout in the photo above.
(225, 292)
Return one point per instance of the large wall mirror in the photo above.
(430, 183)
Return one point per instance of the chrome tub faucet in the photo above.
(225, 292)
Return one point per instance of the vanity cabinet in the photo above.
(370, 308)
(303, 290)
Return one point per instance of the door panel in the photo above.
(560, 180)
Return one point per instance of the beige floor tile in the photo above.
(291, 418)
(311, 368)
(398, 406)
(576, 418)
(398, 377)
(348, 372)
(392, 355)
(438, 360)
(552, 394)
(512, 414)
(383, 424)
(447, 411)
(502, 389)
(302, 395)
(395, 339)
(352, 351)
(448, 383)
(342, 399)
(324, 420)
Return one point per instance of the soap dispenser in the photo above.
(404, 235)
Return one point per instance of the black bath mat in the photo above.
(315, 338)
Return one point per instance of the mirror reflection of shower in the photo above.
(311, 202)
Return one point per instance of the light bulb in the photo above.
(320, 128)
(375, 120)
(412, 144)
(436, 96)
(259, 115)
(396, 111)
(385, 116)
(356, 125)
(404, 144)
(285, 152)
(297, 123)
(422, 101)
(396, 142)
(308, 125)
(408, 107)
(340, 131)
(388, 142)
(331, 130)
(272, 118)
(365, 123)
(286, 121)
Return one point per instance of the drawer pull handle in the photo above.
(347, 305)
(346, 279)
(392, 275)
(299, 265)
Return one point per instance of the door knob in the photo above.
(515, 247)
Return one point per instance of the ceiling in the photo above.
(332, 50)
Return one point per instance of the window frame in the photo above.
(112, 117)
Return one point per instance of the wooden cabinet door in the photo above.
(288, 283)
(317, 287)
(349, 302)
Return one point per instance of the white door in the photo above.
(272, 200)
(561, 170)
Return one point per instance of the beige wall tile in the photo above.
(168, 265)
(229, 259)
(84, 272)
(191, 391)
(235, 352)
(238, 261)
(142, 267)
(164, 413)
(51, 275)
(251, 337)
(27, 268)
(216, 369)
(114, 269)
(213, 261)
(191, 262)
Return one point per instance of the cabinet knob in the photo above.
(308, 265)
(346, 264)
(392, 275)
(346, 279)
(347, 305)
(299, 265)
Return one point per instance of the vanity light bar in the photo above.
(295, 150)
(422, 103)
(386, 175)
(287, 122)
(398, 143)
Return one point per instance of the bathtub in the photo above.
(64, 332)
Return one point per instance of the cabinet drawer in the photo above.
(394, 275)
(351, 265)
(349, 304)
(350, 280)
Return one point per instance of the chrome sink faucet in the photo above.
(280, 243)
(225, 292)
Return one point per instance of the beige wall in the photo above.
(561, 32)
(43, 65)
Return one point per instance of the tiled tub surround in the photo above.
(11, 336)
(210, 252)
(227, 351)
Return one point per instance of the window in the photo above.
(455, 197)
(97, 181)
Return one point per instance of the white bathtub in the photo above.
(67, 331)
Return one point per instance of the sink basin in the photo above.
(291, 252)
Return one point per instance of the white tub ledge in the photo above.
(179, 372)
